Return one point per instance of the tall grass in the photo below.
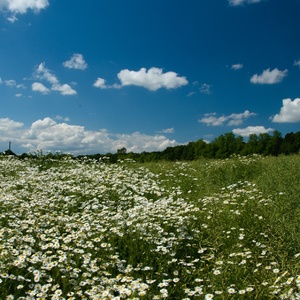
(222, 229)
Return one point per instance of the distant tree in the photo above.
(239, 144)
(188, 152)
(226, 145)
(122, 151)
(274, 144)
(263, 141)
(200, 148)
(251, 146)
(9, 152)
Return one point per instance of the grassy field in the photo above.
(207, 229)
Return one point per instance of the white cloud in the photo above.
(100, 83)
(13, 83)
(167, 130)
(237, 66)
(39, 87)
(76, 62)
(289, 112)
(242, 2)
(153, 79)
(10, 82)
(45, 74)
(206, 89)
(12, 19)
(48, 134)
(21, 7)
(269, 77)
(251, 130)
(60, 118)
(7, 125)
(64, 89)
(190, 94)
(212, 119)
(297, 63)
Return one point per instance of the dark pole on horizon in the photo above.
(9, 145)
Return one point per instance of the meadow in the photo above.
(205, 229)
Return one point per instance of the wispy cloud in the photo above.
(242, 2)
(237, 66)
(211, 119)
(13, 83)
(251, 130)
(297, 63)
(206, 89)
(43, 73)
(76, 62)
(289, 112)
(167, 130)
(203, 88)
(269, 77)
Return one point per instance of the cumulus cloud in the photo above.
(152, 79)
(15, 7)
(43, 73)
(8, 125)
(100, 83)
(289, 112)
(242, 2)
(251, 130)
(237, 67)
(64, 89)
(211, 119)
(76, 62)
(39, 87)
(269, 77)
(52, 135)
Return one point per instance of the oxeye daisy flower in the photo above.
(231, 290)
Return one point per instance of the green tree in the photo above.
(274, 144)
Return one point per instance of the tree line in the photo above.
(224, 146)
(221, 147)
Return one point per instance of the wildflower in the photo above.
(218, 292)
(209, 296)
(217, 272)
(231, 291)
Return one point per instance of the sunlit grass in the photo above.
(222, 229)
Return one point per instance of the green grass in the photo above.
(222, 229)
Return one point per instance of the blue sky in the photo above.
(145, 75)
